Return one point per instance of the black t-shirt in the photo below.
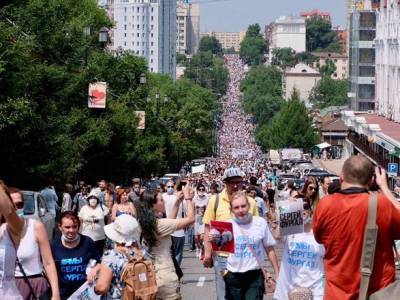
(71, 264)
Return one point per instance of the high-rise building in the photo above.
(228, 40)
(387, 61)
(362, 55)
(147, 28)
(316, 13)
(187, 27)
(288, 32)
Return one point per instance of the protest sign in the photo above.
(290, 216)
(198, 169)
(97, 95)
(223, 233)
(85, 292)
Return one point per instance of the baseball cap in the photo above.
(232, 172)
(124, 230)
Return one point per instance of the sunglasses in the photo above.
(312, 188)
(19, 205)
(170, 186)
(234, 182)
(201, 190)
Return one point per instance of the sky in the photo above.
(236, 15)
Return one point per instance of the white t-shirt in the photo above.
(256, 234)
(169, 201)
(66, 202)
(301, 266)
(262, 208)
(200, 205)
(93, 221)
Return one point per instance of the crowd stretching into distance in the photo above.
(99, 236)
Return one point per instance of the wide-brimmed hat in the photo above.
(124, 230)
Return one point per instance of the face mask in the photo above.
(68, 240)
(92, 202)
(243, 221)
(170, 190)
(20, 212)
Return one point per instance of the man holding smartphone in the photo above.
(339, 224)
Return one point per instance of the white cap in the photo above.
(232, 172)
(124, 230)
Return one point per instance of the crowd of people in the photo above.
(102, 230)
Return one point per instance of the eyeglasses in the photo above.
(19, 205)
(201, 190)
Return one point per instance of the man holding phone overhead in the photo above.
(339, 224)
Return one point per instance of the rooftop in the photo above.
(389, 128)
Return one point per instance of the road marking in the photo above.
(201, 281)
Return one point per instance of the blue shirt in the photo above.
(51, 198)
(71, 264)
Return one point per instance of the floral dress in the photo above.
(116, 261)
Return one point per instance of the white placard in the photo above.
(290, 216)
(198, 169)
(85, 292)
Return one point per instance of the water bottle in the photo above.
(92, 263)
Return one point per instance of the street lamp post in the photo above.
(103, 39)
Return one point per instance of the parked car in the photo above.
(35, 207)
(319, 173)
(284, 178)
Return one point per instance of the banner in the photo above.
(97, 95)
(141, 115)
(85, 292)
(290, 216)
(198, 169)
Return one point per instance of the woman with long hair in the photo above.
(11, 227)
(35, 257)
(156, 233)
(310, 191)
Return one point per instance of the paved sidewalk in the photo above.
(333, 166)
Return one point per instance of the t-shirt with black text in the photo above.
(71, 264)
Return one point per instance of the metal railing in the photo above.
(368, 151)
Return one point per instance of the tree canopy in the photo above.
(253, 47)
(290, 128)
(329, 92)
(46, 129)
(320, 36)
(210, 43)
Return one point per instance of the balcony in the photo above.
(378, 157)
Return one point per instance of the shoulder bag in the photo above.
(392, 291)
(269, 281)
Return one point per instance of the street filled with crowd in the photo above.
(110, 241)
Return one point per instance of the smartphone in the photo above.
(180, 185)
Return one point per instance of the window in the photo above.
(138, 26)
(125, 34)
(152, 44)
(125, 26)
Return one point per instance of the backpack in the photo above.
(139, 277)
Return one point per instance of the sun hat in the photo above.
(124, 230)
(232, 172)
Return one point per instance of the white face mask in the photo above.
(92, 202)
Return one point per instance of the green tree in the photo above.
(329, 92)
(208, 71)
(253, 47)
(327, 69)
(181, 59)
(306, 57)
(320, 36)
(47, 131)
(284, 58)
(291, 127)
(210, 43)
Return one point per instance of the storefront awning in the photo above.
(323, 145)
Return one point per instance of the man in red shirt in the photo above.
(339, 223)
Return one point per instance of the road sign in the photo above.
(393, 169)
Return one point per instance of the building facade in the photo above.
(362, 55)
(288, 32)
(187, 27)
(316, 13)
(388, 61)
(147, 28)
(302, 78)
(228, 40)
(340, 60)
